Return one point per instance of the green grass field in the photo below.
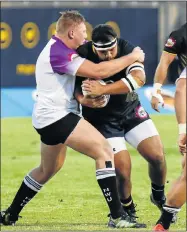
(72, 200)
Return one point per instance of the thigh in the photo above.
(151, 148)
(117, 144)
(88, 140)
(110, 129)
(141, 132)
(122, 158)
(58, 131)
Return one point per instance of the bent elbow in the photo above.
(140, 80)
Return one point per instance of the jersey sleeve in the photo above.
(65, 60)
(173, 43)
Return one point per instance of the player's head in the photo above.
(72, 25)
(104, 40)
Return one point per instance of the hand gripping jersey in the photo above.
(177, 44)
(56, 68)
(119, 106)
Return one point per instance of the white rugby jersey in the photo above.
(56, 68)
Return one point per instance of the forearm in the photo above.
(161, 73)
(135, 79)
(162, 69)
(117, 87)
(109, 68)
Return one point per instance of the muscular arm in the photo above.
(106, 69)
(160, 76)
(162, 68)
(119, 87)
(133, 79)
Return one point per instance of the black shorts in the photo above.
(120, 127)
(58, 131)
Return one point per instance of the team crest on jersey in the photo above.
(140, 112)
(72, 56)
(170, 42)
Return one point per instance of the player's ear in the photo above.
(70, 34)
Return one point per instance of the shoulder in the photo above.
(176, 36)
(174, 42)
(85, 49)
(125, 46)
(60, 51)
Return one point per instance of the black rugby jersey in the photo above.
(119, 106)
(177, 44)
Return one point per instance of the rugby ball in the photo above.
(106, 97)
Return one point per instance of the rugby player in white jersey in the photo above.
(175, 46)
(56, 117)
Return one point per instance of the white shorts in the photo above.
(183, 75)
(134, 137)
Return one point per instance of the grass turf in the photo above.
(72, 200)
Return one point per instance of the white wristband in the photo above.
(182, 128)
(156, 87)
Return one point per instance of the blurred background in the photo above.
(27, 26)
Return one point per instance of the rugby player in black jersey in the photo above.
(123, 118)
(176, 46)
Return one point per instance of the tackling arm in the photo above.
(135, 78)
(109, 68)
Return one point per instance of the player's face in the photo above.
(108, 54)
(79, 34)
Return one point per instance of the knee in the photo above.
(105, 150)
(123, 171)
(158, 156)
(123, 176)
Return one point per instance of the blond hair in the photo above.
(67, 19)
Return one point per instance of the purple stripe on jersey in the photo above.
(61, 57)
